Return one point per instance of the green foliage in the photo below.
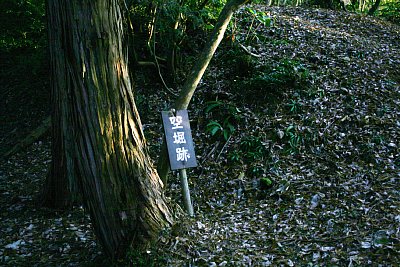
(279, 42)
(294, 106)
(258, 18)
(265, 183)
(206, 15)
(166, 28)
(330, 4)
(294, 139)
(257, 170)
(23, 42)
(225, 129)
(238, 62)
(272, 82)
(288, 73)
(223, 118)
(250, 150)
(22, 24)
(253, 22)
(391, 11)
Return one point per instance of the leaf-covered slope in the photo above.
(331, 142)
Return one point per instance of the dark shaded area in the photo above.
(23, 70)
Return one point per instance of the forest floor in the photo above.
(308, 174)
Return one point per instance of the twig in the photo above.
(226, 143)
(209, 153)
(248, 51)
(158, 67)
(153, 24)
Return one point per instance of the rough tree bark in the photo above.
(197, 73)
(60, 186)
(98, 138)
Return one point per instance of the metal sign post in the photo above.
(185, 192)
(180, 148)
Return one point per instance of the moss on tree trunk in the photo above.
(96, 126)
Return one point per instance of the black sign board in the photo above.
(179, 139)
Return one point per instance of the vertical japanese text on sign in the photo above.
(179, 139)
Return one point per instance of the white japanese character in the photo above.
(181, 154)
(179, 138)
(176, 122)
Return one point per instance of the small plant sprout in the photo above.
(224, 116)
(261, 17)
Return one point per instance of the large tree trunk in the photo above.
(97, 130)
(60, 186)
